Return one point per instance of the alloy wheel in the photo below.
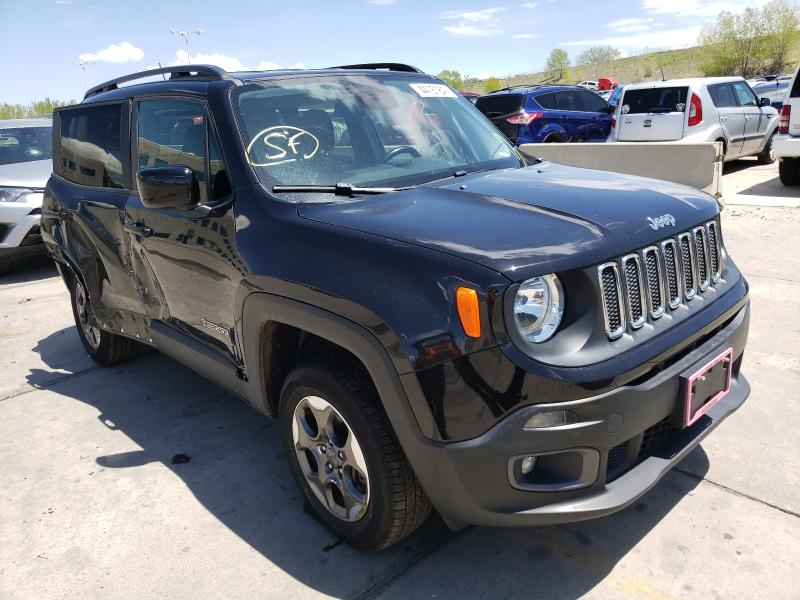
(330, 458)
(91, 332)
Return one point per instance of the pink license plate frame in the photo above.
(688, 417)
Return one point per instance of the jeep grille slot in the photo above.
(645, 284)
(688, 265)
(673, 273)
(633, 290)
(612, 300)
(713, 251)
(654, 279)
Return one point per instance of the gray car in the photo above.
(26, 153)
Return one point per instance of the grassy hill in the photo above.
(645, 67)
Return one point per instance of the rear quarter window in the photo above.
(504, 104)
(546, 100)
(91, 146)
(795, 87)
(649, 100)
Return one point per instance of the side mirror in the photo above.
(174, 186)
(764, 102)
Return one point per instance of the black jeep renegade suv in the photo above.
(435, 319)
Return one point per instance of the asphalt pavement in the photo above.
(96, 503)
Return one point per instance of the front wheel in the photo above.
(789, 171)
(102, 347)
(346, 459)
(767, 155)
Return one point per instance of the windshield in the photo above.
(24, 144)
(376, 130)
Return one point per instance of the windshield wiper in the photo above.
(340, 189)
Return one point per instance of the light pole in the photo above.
(185, 35)
(82, 64)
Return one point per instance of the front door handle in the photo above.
(139, 229)
(723, 119)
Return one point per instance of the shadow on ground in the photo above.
(30, 270)
(238, 472)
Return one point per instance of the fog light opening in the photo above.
(552, 418)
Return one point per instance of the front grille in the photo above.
(658, 277)
(617, 457)
(654, 436)
(3, 231)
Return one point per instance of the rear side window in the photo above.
(91, 145)
(546, 100)
(568, 101)
(723, 95)
(655, 100)
(795, 87)
(503, 104)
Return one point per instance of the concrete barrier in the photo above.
(695, 165)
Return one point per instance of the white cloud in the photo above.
(63, 2)
(473, 16)
(670, 38)
(525, 36)
(698, 8)
(631, 25)
(381, 2)
(529, 5)
(114, 53)
(467, 29)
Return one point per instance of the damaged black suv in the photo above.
(437, 321)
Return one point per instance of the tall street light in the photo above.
(185, 35)
(82, 64)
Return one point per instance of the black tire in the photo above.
(107, 348)
(767, 155)
(789, 171)
(396, 504)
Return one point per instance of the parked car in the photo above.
(25, 164)
(534, 114)
(471, 96)
(787, 142)
(775, 90)
(588, 85)
(432, 323)
(606, 83)
(709, 109)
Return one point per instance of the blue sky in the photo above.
(42, 41)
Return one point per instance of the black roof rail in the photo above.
(177, 72)
(520, 86)
(388, 66)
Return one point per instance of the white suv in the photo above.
(787, 142)
(26, 161)
(707, 109)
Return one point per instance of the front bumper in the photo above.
(19, 226)
(627, 434)
(786, 146)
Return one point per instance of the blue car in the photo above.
(548, 113)
(774, 90)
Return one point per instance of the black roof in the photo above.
(197, 77)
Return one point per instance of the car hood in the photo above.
(528, 221)
(32, 174)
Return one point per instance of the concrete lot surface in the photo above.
(92, 506)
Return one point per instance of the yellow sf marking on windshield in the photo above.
(283, 141)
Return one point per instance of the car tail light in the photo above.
(786, 111)
(614, 121)
(524, 118)
(695, 111)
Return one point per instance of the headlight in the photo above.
(538, 308)
(12, 194)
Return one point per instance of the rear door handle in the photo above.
(139, 229)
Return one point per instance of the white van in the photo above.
(787, 142)
(706, 109)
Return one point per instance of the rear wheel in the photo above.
(767, 155)
(789, 171)
(345, 457)
(103, 347)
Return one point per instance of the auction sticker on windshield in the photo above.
(433, 90)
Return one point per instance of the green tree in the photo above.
(557, 62)
(782, 19)
(597, 57)
(37, 108)
(452, 78)
(492, 85)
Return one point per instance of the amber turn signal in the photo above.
(467, 303)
